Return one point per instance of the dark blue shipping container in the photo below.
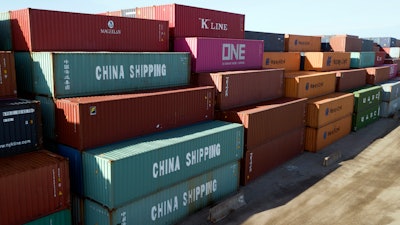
(367, 45)
(384, 42)
(75, 168)
(272, 42)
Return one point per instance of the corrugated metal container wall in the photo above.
(240, 88)
(345, 43)
(48, 113)
(362, 59)
(8, 80)
(188, 21)
(393, 52)
(326, 61)
(389, 108)
(20, 126)
(393, 61)
(39, 180)
(390, 90)
(364, 118)
(38, 30)
(77, 209)
(112, 13)
(305, 84)
(170, 205)
(218, 54)
(380, 58)
(301, 43)
(393, 70)
(89, 122)
(75, 74)
(259, 160)
(367, 45)
(350, 79)
(75, 167)
(376, 75)
(325, 45)
(367, 97)
(290, 61)
(328, 108)
(272, 42)
(267, 120)
(384, 41)
(139, 167)
(5, 32)
(62, 217)
(129, 12)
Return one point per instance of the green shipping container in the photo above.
(170, 205)
(5, 32)
(362, 59)
(364, 118)
(76, 74)
(117, 174)
(59, 218)
(367, 97)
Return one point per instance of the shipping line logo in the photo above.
(297, 42)
(110, 28)
(269, 61)
(207, 24)
(233, 54)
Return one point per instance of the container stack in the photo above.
(390, 98)
(366, 106)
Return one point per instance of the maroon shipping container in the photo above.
(350, 79)
(240, 88)
(90, 122)
(259, 160)
(188, 21)
(33, 185)
(267, 120)
(44, 30)
(379, 58)
(8, 83)
(393, 61)
(376, 75)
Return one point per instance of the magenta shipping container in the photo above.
(45, 30)
(89, 122)
(220, 54)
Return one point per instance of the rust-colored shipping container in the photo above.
(259, 160)
(318, 138)
(267, 120)
(379, 58)
(45, 30)
(393, 61)
(345, 43)
(326, 61)
(328, 108)
(33, 185)
(89, 122)
(8, 83)
(376, 75)
(350, 79)
(307, 84)
(240, 88)
(302, 43)
(290, 61)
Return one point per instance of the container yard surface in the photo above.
(361, 187)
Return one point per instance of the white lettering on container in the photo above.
(202, 154)
(164, 208)
(147, 70)
(110, 72)
(207, 24)
(166, 166)
(199, 192)
(233, 52)
(18, 112)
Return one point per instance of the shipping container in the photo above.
(384, 41)
(77, 209)
(76, 74)
(392, 52)
(364, 118)
(290, 61)
(189, 21)
(240, 88)
(62, 217)
(8, 80)
(20, 126)
(345, 43)
(393, 70)
(305, 84)
(328, 108)
(89, 122)
(390, 90)
(350, 79)
(272, 42)
(366, 97)
(325, 45)
(219, 54)
(48, 114)
(39, 30)
(74, 157)
(5, 32)
(326, 61)
(267, 120)
(123, 12)
(33, 185)
(136, 168)
(362, 59)
(261, 159)
(172, 204)
(302, 43)
(377, 75)
(377, 48)
(318, 138)
(380, 58)
(367, 45)
(389, 108)
(393, 61)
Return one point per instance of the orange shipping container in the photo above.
(290, 61)
(304, 84)
(329, 108)
(345, 43)
(301, 43)
(318, 138)
(376, 75)
(326, 61)
(350, 79)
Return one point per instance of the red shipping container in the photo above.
(89, 122)
(220, 54)
(259, 160)
(240, 88)
(379, 58)
(267, 120)
(376, 75)
(350, 79)
(33, 185)
(44, 30)
(393, 70)
(8, 83)
(393, 61)
(188, 21)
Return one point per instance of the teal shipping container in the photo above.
(76, 74)
(5, 32)
(59, 218)
(367, 97)
(362, 59)
(48, 117)
(119, 173)
(172, 204)
(366, 117)
(390, 108)
(390, 90)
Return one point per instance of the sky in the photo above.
(363, 18)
